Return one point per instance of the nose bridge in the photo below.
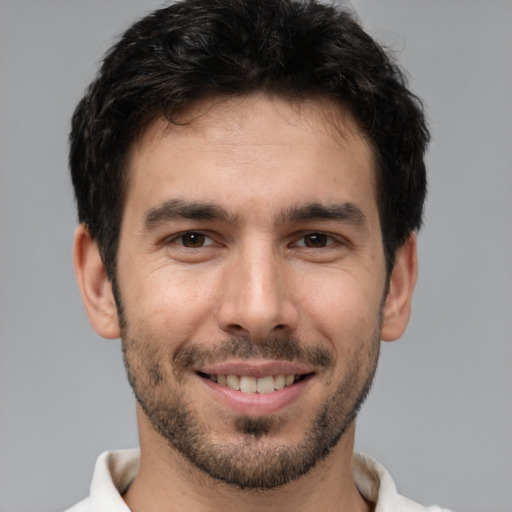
(257, 297)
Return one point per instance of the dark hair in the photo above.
(199, 48)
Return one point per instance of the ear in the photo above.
(397, 308)
(94, 285)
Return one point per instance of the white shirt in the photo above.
(115, 472)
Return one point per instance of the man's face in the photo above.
(251, 257)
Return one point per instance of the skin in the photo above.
(256, 272)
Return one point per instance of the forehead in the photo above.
(252, 149)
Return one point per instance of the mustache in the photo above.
(277, 347)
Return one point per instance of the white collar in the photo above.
(115, 470)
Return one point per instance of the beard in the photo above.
(254, 459)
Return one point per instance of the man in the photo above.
(249, 179)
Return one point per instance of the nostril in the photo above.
(236, 327)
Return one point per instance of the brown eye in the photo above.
(316, 240)
(193, 240)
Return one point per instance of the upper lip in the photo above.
(256, 368)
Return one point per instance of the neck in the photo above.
(167, 482)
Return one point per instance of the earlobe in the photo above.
(94, 285)
(397, 308)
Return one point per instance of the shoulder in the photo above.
(377, 486)
(407, 505)
(81, 506)
(113, 473)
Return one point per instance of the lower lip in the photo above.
(258, 404)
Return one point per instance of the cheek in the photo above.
(170, 302)
(343, 309)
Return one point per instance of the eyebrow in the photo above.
(179, 209)
(174, 209)
(346, 212)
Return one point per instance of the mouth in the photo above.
(250, 384)
(256, 387)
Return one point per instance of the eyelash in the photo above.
(320, 236)
(325, 240)
(179, 239)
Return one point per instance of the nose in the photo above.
(257, 296)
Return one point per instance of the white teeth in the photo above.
(265, 385)
(247, 384)
(233, 382)
(279, 382)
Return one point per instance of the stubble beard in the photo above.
(255, 460)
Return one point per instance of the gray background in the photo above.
(440, 414)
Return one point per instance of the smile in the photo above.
(250, 384)
(256, 388)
